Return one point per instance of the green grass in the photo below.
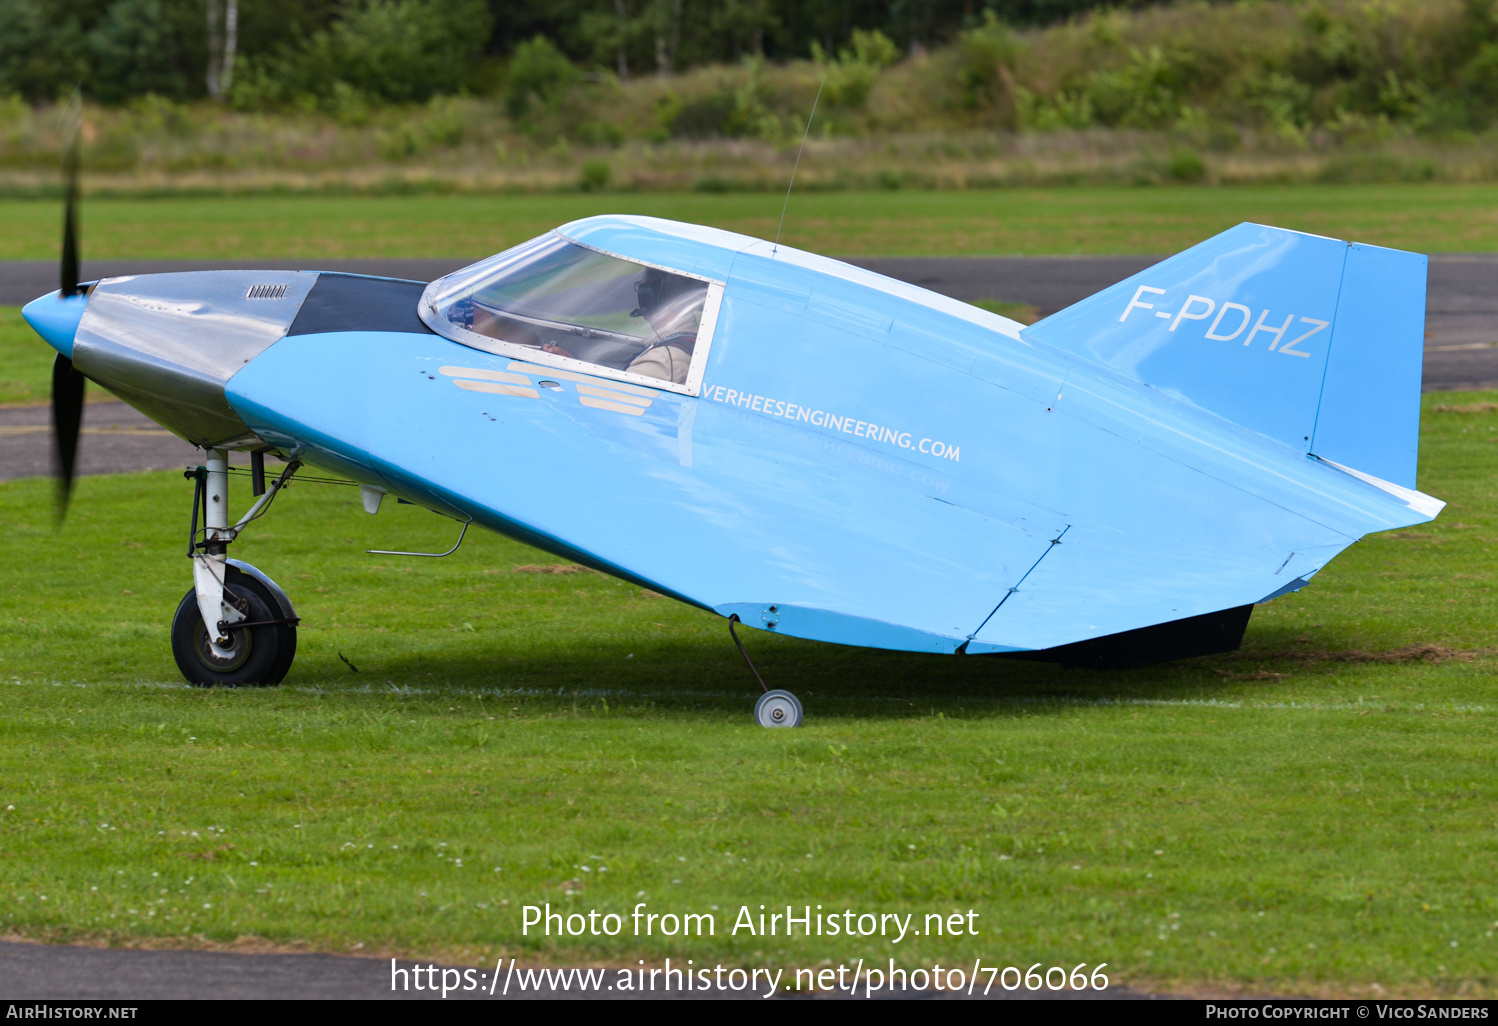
(1429, 218)
(1312, 815)
(25, 361)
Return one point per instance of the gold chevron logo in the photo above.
(595, 393)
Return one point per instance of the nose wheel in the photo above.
(236, 626)
(778, 709)
(258, 649)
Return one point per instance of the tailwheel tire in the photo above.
(778, 709)
(254, 656)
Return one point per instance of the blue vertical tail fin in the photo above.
(1312, 341)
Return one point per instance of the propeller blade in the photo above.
(70, 222)
(67, 422)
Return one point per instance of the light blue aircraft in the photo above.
(797, 444)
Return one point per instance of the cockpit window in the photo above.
(553, 296)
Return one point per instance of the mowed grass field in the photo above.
(1316, 814)
(1431, 218)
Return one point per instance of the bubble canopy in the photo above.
(553, 301)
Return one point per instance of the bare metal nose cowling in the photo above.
(167, 344)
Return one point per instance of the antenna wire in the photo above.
(786, 205)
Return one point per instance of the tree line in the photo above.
(287, 52)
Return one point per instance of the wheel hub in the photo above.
(778, 709)
(224, 658)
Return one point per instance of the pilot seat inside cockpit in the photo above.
(558, 297)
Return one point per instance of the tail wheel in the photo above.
(255, 655)
(778, 709)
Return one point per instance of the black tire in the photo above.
(261, 655)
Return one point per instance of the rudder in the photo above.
(1369, 415)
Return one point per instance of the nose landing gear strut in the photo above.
(235, 626)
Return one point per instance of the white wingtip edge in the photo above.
(1426, 505)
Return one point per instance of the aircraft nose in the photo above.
(168, 344)
(55, 318)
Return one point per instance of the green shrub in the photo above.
(1185, 165)
(595, 175)
(850, 78)
(1480, 76)
(539, 79)
(871, 47)
(705, 116)
(600, 133)
(1279, 101)
(1064, 109)
(1145, 93)
(729, 111)
(986, 57)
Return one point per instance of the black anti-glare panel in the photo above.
(354, 302)
(1207, 634)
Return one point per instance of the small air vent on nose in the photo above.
(266, 292)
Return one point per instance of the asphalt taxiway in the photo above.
(61, 973)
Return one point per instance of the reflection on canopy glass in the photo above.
(558, 297)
